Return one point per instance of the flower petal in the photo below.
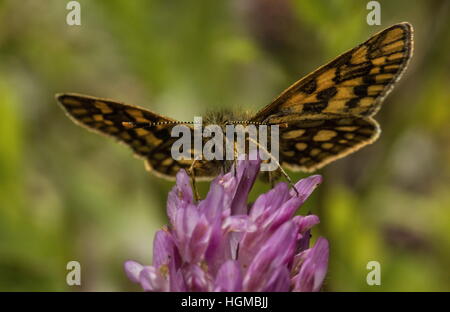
(151, 279)
(196, 278)
(133, 269)
(199, 241)
(305, 224)
(216, 200)
(177, 282)
(270, 201)
(314, 268)
(306, 186)
(239, 223)
(180, 195)
(162, 248)
(279, 280)
(267, 224)
(247, 171)
(229, 277)
(277, 252)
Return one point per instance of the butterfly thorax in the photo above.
(225, 117)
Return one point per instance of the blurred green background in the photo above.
(67, 194)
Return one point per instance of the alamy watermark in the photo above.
(374, 16)
(228, 142)
(374, 276)
(74, 16)
(73, 277)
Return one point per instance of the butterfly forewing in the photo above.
(354, 83)
(154, 143)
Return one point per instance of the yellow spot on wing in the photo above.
(295, 99)
(379, 60)
(383, 77)
(301, 146)
(167, 162)
(365, 102)
(288, 153)
(71, 102)
(375, 70)
(359, 56)
(353, 82)
(397, 45)
(327, 145)
(335, 106)
(395, 56)
(293, 134)
(98, 117)
(393, 35)
(349, 136)
(325, 80)
(152, 140)
(79, 111)
(348, 128)
(137, 115)
(103, 107)
(141, 132)
(324, 135)
(392, 67)
(344, 93)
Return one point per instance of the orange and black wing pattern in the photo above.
(339, 98)
(154, 143)
(308, 145)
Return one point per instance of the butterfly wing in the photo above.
(355, 83)
(328, 112)
(153, 144)
(308, 145)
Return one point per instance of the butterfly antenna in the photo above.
(257, 123)
(135, 125)
(278, 164)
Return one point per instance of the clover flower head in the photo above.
(222, 243)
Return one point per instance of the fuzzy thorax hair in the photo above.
(224, 117)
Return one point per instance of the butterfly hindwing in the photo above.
(355, 83)
(308, 145)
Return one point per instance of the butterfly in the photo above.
(328, 113)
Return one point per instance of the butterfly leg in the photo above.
(271, 179)
(191, 172)
(235, 160)
(288, 178)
